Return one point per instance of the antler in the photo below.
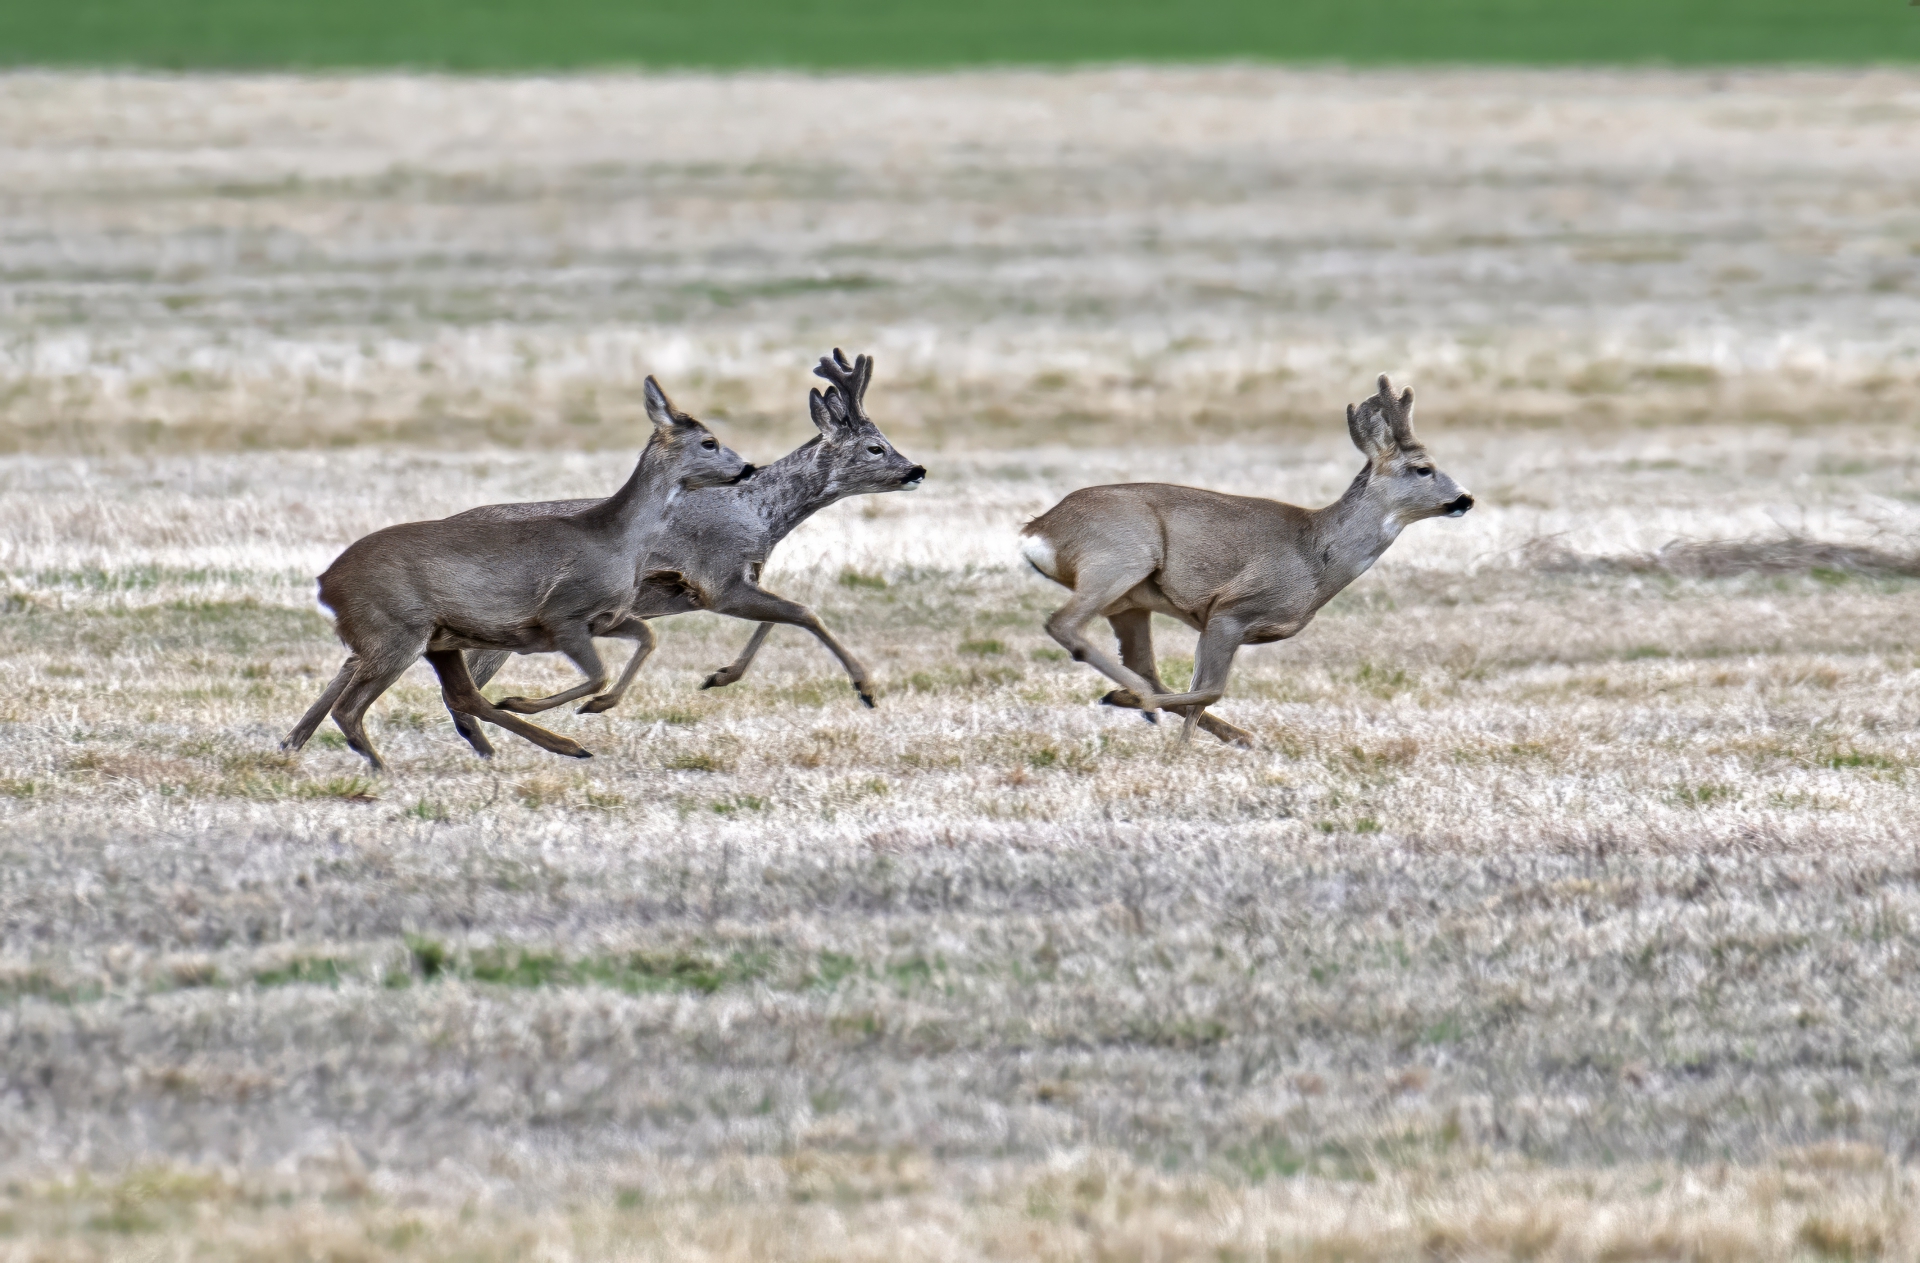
(1398, 412)
(849, 379)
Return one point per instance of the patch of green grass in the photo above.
(427, 957)
(1863, 758)
(427, 809)
(352, 789)
(1382, 682)
(519, 969)
(955, 680)
(316, 971)
(1703, 795)
(42, 984)
(509, 34)
(830, 967)
(985, 648)
(851, 578)
(696, 761)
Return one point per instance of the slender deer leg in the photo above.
(1135, 630)
(1212, 663)
(731, 673)
(460, 693)
(577, 644)
(317, 713)
(369, 681)
(1096, 591)
(482, 665)
(638, 631)
(756, 604)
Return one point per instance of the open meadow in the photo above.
(1568, 907)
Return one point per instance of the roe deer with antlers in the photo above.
(437, 588)
(1239, 570)
(718, 540)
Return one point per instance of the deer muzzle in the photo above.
(1457, 507)
(746, 472)
(914, 476)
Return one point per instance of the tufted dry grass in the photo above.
(1569, 907)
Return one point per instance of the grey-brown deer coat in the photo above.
(1239, 570)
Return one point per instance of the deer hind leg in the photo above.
(1135, 630)
(482, 665)
(638, 631)
(371, 678)
(463, 695)
(577, 644)
(317, 713)
(1096, 591)
(731, 673)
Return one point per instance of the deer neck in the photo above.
(1350, 534)
(634, 512)
(792, 489)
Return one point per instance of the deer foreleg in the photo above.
(636, 630)
(759, 605)
(1134, 629)
(1212, 663)
(577, 644)
(731, 673)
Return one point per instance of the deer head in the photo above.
(700, 459)
(1399, 468)
(863, 459)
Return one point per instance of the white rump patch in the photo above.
(1039, 554)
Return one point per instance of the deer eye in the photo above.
(876, 450)
(711, 445)
(1425, 471)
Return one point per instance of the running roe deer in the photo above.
(1239, 570)
(548, 584)
(717, 540)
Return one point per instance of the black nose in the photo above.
(1460, 506)
(746, 472)
(915, 474)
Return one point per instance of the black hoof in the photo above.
(584, 754)
(711, 682)
(867, 700)
(1151, 716)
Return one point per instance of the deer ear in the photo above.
(659, 407)
(1368, 428)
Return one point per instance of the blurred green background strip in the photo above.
(502, 35)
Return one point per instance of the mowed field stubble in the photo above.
(1569, 906)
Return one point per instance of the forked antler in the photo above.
(850, 380)
(1398, 412)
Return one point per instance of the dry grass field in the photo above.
(1569, 907)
